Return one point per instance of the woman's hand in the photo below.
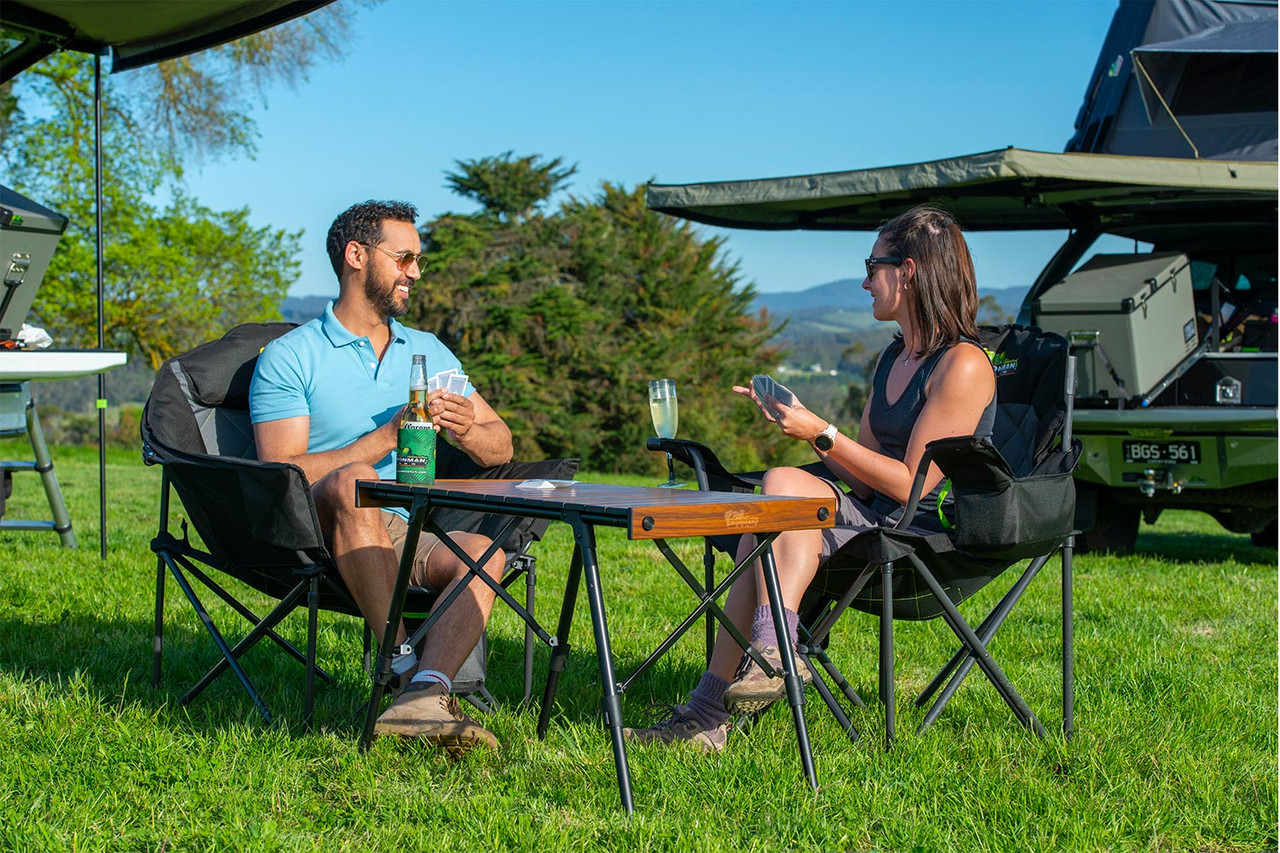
(794, 421)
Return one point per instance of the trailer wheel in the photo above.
(1266, 537)
(1115, 527)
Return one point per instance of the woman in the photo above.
(933, 381)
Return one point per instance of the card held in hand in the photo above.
(769, 391)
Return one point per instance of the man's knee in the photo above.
(337, 490)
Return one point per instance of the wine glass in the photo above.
(666, 416)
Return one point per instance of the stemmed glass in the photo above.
(666, 416)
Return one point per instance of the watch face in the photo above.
(823, 442)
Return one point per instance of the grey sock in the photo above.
(706, 703)
(763, 633)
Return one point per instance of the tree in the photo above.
(561, 317)
(171, 275)
(174, 271)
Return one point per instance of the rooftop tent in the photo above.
(1184, 78)
(137, 32)
(1009, 189)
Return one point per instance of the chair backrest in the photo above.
(1031, 404)
(200, 400)
(257, 519)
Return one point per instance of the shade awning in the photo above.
(1009, 189)
(137, 32)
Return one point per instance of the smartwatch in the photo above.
(825, 440)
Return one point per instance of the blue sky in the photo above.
(673, 91)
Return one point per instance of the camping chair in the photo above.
(258, 524)
(1014, 499)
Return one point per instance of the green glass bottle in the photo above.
(416, 445)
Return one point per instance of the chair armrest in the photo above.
(959, 457)
(707, 468)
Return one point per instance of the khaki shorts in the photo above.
(398, 529)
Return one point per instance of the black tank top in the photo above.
(892, 424)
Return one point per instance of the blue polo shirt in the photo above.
(323, 371)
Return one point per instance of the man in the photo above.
(328, 397)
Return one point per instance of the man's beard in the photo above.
(382, 296)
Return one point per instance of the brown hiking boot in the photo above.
(426, 713)
(753, 691)
(681, 725)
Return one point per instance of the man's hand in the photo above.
(452, 412)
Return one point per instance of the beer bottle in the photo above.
(416, 445)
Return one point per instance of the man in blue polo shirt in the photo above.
(328, 397)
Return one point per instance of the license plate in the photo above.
(1186, 452)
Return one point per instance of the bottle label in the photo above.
(416, 454)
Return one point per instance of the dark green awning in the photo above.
(1010, 189)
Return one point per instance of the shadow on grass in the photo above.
(111, 658)
(1198, 547)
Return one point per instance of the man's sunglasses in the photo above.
(402, 259)
(892, 260)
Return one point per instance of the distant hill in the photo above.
(824, 320)
(300, 309)
(844, 293)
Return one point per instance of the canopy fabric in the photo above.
(1010, 189)
(139, 32)
(1168, 63)
(1214, 63)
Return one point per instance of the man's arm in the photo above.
(285, 440)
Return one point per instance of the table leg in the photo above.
(382, 665)
(585, 535)
(560, 649)
(795, 685)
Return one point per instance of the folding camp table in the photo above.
(645, 513)
(18, 416)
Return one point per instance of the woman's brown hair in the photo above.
(943, 293)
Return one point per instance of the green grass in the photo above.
(1175, 701)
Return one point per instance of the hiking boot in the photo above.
(681, 725)
(752, 691)
(426, 713)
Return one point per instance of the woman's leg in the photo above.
(796, 554)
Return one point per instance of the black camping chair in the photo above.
(1014, 499)
(257, 520)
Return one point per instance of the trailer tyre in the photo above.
(1115, 527)
(1266, 537)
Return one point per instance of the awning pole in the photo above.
(102, 377)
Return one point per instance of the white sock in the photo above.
(404, 662)
(429, 675)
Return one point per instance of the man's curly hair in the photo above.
(363, 223)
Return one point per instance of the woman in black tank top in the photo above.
(932, 382)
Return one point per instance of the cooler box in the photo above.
(1140, 309)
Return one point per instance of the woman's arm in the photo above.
(956, 394)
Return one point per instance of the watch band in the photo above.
(825, 440)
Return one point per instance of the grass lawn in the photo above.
(1176, 698)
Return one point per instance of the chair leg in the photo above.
(962, 661)
(157, 640)
(1068, 641)
(313, 607)
(984, 659)
(228, 658)
(833, 705)
(886, 651)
